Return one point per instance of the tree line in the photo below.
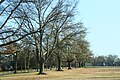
(41, 34)
(110, 60)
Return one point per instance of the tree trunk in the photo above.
(21, 66)
(59, 65)
(41, 65)
(15, 63)
(25, 63)
(83, 64)
(79, 64)
(41, 56)
(37, 57)
(41, 69)
(75, 65)
(28, 66)
(69, 65)
(37, 65)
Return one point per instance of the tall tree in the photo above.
(45, 25)
(44, 14)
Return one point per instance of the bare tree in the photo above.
(41, 20)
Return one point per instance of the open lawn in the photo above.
(110, 73)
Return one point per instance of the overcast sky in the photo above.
(102, 18)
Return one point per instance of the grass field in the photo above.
(110, 73)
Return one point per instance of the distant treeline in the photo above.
(110, 60)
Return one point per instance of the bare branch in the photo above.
(17, 39)
(1, 1)
(12, 11)
(4, 9)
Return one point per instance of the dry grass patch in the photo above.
(74, 74)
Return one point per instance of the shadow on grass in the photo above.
(42, 73)
(59, 70)
(10, 72)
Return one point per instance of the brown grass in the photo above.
(73, 74)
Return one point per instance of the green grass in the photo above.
(106, 73)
